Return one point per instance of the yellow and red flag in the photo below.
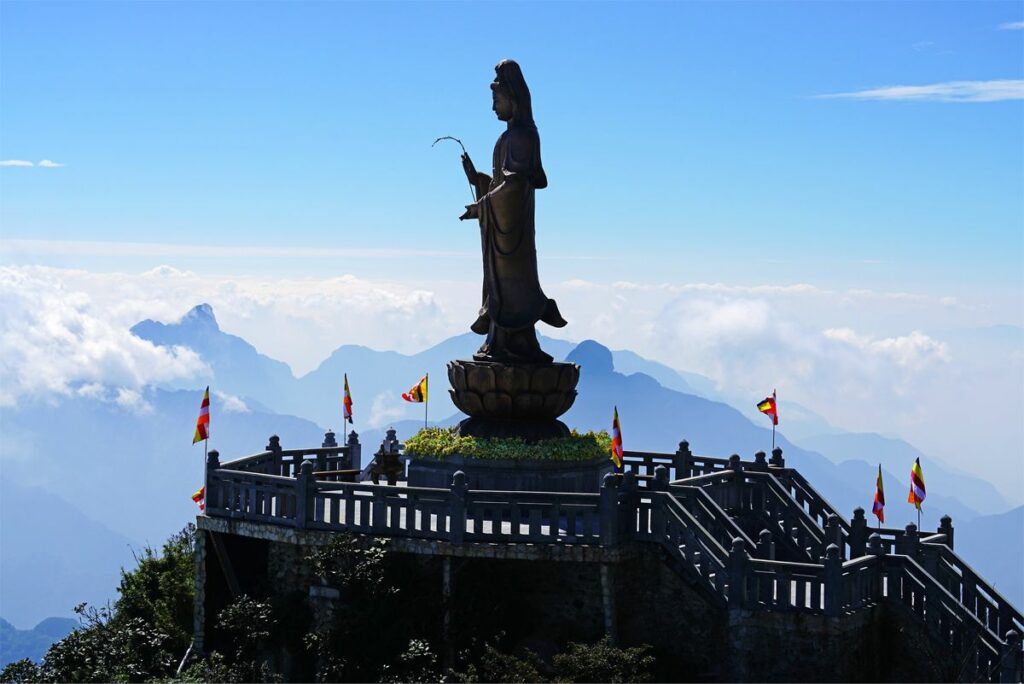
(616, 440)
(768, 407)
(418, 393)
(200, 497)
(203, 423)
(878, 507)
(347, 411)
(916, 495)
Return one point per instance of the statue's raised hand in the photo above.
(467, 166)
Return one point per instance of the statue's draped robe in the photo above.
(513, 300)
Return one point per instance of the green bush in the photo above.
(441, 443)
(604, 662)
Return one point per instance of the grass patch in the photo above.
(440, 443)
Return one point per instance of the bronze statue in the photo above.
(512, 299)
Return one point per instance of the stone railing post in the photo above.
(212, 492)
(628, 504)
(909, 546)
(457, 508)
(760, 462)
(608, 510)
(738, 563)
(876, 549)
(329, 443)
(833, 581)
(736, 483)
(946, 528)
(378, 508)
(765, 545)
(858, 533)
(304, 494)
(355, 451)
(659, 484)
(274, 447)
(776, 460)
(833, 532)
(682, 460)
(1010, 658)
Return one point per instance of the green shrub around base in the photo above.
(440, 443)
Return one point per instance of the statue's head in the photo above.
(510, 94)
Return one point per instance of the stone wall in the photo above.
(542, 597)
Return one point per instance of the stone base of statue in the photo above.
(513, 392)
(515, 476)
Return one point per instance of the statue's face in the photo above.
(503, 105)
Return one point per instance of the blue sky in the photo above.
(823, 197)
(695, 127)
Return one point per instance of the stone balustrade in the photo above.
(689, 506)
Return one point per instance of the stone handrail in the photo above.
(976, 595)
(687, 518)
(907, 584)
(275, 460)
(737, 490)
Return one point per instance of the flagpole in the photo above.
(426, 399)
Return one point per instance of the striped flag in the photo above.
(916, 495)
(200, 497)
(878, 508)
(768, 407)
(616, 440)
(347, 411)
(203, 423)
(418, 393)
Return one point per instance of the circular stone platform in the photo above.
(519, 476)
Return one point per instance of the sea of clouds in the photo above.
(906, 364)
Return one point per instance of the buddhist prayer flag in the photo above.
(616, 440)
(770, 408)
(200, 497)
(418, 393)
(916, 495)
(347, 411)
(878, 508)
(203, 423)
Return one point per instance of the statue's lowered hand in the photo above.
(472, 212)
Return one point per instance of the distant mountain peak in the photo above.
(200, 315)
(593, 357)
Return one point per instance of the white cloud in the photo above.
(1012, 26)
(915, 350)
(229, 403)
(950, 91)
(43, 164)
(386, 409)
(53, 341)
(868, 360)
(132, 401)
(297, 320)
